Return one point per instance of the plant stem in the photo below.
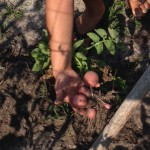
(88, 48)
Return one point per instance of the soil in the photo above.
(24, 126)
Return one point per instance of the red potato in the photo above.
(107, 106)
(91, 113)
(79, 101)
(84, 90)
(91, 79)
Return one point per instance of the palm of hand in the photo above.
(66, 86)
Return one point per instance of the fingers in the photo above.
(147, 5)
(144, 7)
(134, 4)
(142, 1)
(66, 86)
(59, 94)
(148, 1)
(139, 8)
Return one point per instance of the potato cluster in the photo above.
(80, 101)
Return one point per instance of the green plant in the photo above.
(102, 38)
(59, 112)
(116, 14)
(79, 58)
(51, 110)
(120, 17)
(41, 55)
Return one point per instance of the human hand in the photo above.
(139, 7)
(66, 85)
(70, 88)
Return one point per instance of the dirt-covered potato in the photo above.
(91, 79)
(107, 106)
(79, 101)
(91, 114)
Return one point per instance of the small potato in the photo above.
(107, 106)
(84, 90)
(79, 101)
(91, 113)
(91, 79)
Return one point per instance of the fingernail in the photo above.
(138, 12)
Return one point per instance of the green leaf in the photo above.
(102, 33)
(99, 47)
(35, 52)
(37, 66)
(77, 44)
(45, 51)
(81, 56)
(45, 32)
(78, 63)
(120, 83)
(44, 48)
(113, 33)
(117, 40)
(94, 37)
(110, 46)
(46, 64)
(84, 63)
(122, 46)
(42, 57)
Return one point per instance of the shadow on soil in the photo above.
(12, 13)
(51, 139)
(12, 142)
(17, 53)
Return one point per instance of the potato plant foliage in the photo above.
(107, 39)
(101, 40)
(41, 55)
